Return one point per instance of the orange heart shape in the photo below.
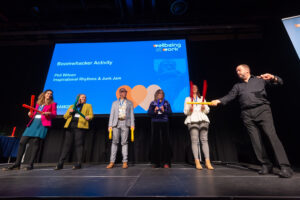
(129, 97)
(138, 94)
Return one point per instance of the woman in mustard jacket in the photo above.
(75, 127)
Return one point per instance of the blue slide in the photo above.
(292, 26)
(98, 70)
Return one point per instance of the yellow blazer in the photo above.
(82, 123)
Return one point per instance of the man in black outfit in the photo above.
(256, 113)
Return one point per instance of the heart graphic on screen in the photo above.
(139, 95)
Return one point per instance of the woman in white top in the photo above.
(198, 122)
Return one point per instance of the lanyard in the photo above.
(194, 99)
(160, 104)
(41, 107)
(121, 102)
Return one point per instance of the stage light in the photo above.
(178, 7)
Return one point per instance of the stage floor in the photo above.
(141, 180)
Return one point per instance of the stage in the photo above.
(142, 181)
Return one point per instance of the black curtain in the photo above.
(97, 145)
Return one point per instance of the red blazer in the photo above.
(46, 120)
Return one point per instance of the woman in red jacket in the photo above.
(37, 128)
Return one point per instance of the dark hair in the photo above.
(198, 93)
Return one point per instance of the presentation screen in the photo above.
(98, 70)
(292, 26)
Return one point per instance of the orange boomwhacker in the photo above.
(13, 132)
(32, 103)
(32, 108)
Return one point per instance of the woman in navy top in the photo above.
(160, 149)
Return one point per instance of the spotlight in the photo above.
(179, 7)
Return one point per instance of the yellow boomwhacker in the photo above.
(132, 134)
(201, 103)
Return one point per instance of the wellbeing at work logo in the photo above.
(167, 47)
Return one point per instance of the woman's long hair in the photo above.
(198, 93)
(156, 94)
(41, 98)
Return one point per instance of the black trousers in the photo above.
(22, 146)
(75, 135)
(160, 149)
(260, 118)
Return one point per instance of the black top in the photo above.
(74, 121)
(160, 116)
(250, 94)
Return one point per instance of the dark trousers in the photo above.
(160, 149)
(22, 146)
(260, 118)
(73, 135)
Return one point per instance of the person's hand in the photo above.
(162, 109)
(156, 109)
(109, 128)
(202, 108)
(71, 110)
(46, 113)
(267, 76)
(30, 114)
(132, 127)
(215, 102)
(191, 109)
(87, 118)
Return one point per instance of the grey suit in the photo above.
(114, 114)
(120, 129)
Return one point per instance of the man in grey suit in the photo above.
(120, 119)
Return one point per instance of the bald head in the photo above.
(243, 72)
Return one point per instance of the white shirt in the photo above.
(122, 108)
(197, 115)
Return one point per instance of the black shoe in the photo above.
(155, 166)
(59, 166)
(77, 166)
(30, 167)
(285, 172)
(266, 169)
(13, 167)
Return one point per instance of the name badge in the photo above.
(76, 115)
(38, 116)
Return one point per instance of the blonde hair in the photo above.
(41, 98)
(78, 95)
(156, 94)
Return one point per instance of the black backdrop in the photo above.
(24, 69)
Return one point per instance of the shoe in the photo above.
(125, 165)
(30, 167)
(155, 166)
(110, 166)
(77, 166)
(59, 166)
(208, 164)
(266, 169)
(166, 166)
(285, 172)
(13, 167)
(198, 165)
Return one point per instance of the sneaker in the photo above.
(13, 167)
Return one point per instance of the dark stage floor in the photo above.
(181, 181)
